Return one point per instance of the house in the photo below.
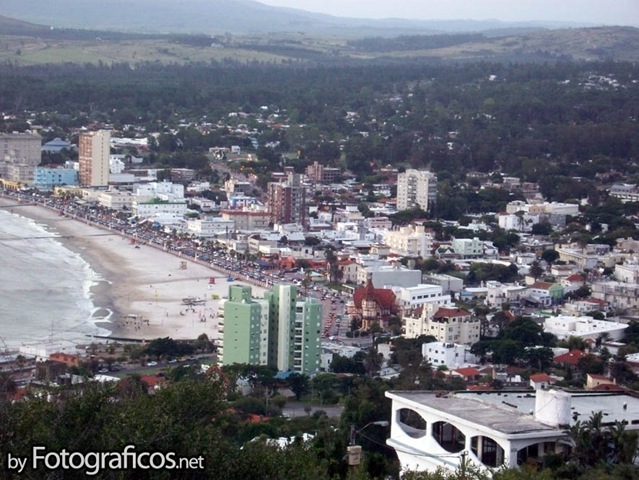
(570, 359)
(539, 381)
(372, 305)
(487, 430)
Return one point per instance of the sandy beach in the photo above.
(141, 285)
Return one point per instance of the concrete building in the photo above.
(497, 294)
(278, 330)
(94, 158)
(448, 325)
(243, 326)
(617, 294)
(564, 326)
(468, 247)
(49, 178)
(627, 272)
(210, 227)
(449, 284)
(416, 188)
(392, 275)
(20, 154)
(410, 299)
(411, 241)
(450, 355)
(431, 431)
(286, 201)
(115, 199)
(250, 218)
(318, 173)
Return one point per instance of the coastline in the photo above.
(140, 285)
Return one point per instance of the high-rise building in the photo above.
(20, 154)
(279, 330)
(416, 188)
(286, 201)
(93, 156)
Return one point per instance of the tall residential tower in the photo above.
(93, 156)
(280, 330)
(416, 188)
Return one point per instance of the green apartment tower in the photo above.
(280, 330)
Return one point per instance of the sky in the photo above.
(601, 12)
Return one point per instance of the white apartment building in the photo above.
(411, 241)
(245, 219)
(468, 247)
(115, 199)
(577, 257)
(563, 326)
(498, 294)
(627, 272)
(617, 294)
(416, 188)
(410, 298)
(448, 325)
(451, 355)
(209, 227)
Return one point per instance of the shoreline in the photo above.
(142, 286)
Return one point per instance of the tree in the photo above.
(298, 383)
(549, 255)
(535, 270)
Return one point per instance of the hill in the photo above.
(24, 43)
(224, 16)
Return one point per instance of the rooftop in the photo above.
(474, 409)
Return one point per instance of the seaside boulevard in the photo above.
(141, 285)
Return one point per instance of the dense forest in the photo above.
(537, 121)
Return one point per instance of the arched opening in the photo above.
(449, 437)
(411, 422)
(487, 451)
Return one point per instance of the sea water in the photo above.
(45, 292)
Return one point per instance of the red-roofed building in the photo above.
(540, 380)
(599, 382)
(66, 358)
(372, 305)
(570, 358)
(468, 374)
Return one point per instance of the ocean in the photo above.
(44, 288)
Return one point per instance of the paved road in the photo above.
(295, 409)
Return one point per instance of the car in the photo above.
(151, 364)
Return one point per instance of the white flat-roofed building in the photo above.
(583, 260)
(210, 227)
(152, 207)
(432, 431)
(498, 294)
(446, 324)
(617, 294)
(411, 241)
(448, 283)
(115, 199)
(411, 298)
(564, 326)
(389, 275)
(468, 247)
(627, 272)
(450, 355)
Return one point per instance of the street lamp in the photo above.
(354, 452)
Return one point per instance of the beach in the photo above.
(141, 289)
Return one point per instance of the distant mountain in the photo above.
(228, 16)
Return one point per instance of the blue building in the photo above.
(47, 178)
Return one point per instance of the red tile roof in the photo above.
(540, 377)
(450, 312)
(541, 285)
(467, 372)
(385, 298)
(570, 358)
